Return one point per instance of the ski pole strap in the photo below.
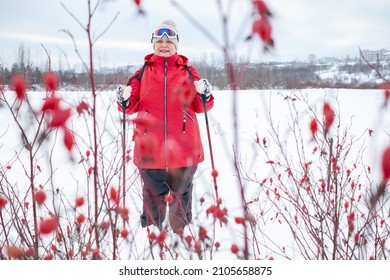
(189, 72)
(140, 74)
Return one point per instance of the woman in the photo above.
(166, 94)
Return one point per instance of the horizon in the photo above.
(311, 58)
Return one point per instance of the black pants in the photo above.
(157, 183)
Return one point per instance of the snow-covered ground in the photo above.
(335, 75)
(255, 111)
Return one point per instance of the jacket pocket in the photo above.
(185, 116)
(145, 128)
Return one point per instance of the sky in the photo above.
(332, 28)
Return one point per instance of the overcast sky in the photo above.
(334, 28)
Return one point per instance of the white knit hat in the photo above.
(171, 25)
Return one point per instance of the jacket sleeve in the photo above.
(197, 102)
(134, 96)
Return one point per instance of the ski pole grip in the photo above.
(124, 104)
(203, 97)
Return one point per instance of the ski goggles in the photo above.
(170, 33)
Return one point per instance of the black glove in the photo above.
(203, 87)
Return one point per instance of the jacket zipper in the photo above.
(145, 129)
(185, 115)
(184, 124)
(165, 114)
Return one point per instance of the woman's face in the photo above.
(164, 47)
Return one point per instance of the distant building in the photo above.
(370, 55)
(386, 56)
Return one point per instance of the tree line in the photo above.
(266, 75)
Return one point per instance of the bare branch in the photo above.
(75, 47)
(73, 16)
(198, 25)
(106, 29)
(48, 56)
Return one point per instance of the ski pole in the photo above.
(124, 154)
(203, 97)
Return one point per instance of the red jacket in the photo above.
(166, 132)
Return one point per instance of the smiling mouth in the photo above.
(164, 52)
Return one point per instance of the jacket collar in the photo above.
(174, 59)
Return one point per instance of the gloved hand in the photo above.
(203, 87)
(123, 95)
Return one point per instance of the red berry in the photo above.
(124, 233)
(47, 226)
(169, 198)
(80, 219)
(79, 201)
(234, 249)
(40, 197)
